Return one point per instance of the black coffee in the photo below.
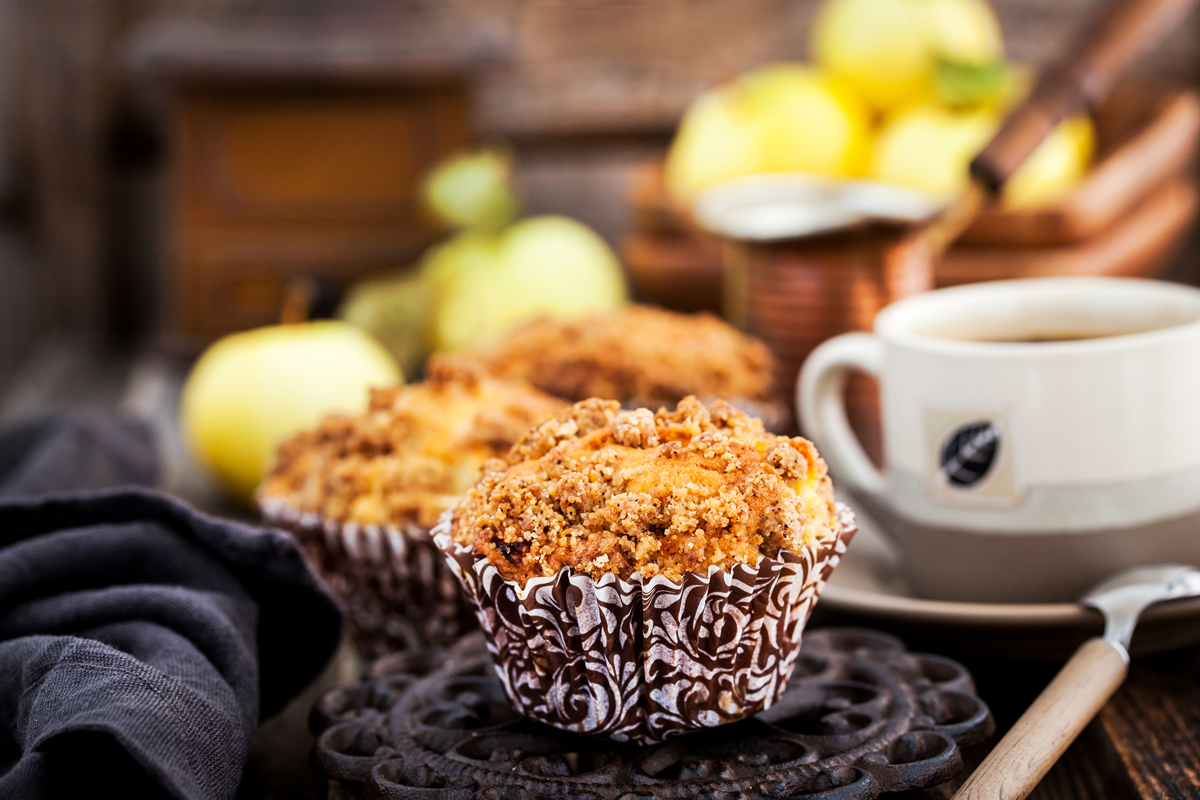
(1053, 337)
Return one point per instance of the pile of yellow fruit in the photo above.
(902, 91)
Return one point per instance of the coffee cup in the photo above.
(1038, 434)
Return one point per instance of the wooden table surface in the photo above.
(1145, 743)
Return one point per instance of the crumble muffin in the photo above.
(414, 452)
(641, 574)
(602, 490)
(361, 492)
(642, 356)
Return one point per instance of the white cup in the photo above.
(1038, 434)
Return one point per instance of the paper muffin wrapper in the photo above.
(641, 662)
(392, 581)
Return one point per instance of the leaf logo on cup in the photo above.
(969, 453)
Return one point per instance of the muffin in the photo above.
(643, 357)
(642, 574)
(362, 492)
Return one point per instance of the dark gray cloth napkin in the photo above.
(140, 640)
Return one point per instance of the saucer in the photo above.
(869, 587)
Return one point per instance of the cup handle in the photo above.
(820, 392)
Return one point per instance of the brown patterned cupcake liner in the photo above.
(393, 583)
(642, 662)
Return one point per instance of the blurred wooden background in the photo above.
(585, 92)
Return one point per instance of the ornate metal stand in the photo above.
(861, 716)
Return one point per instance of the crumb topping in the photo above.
(603, 490)
(643, 354)
(413, 453)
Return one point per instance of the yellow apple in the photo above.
(782, 117)
(1056, 167)
(810, 123)
(960, 31)
(250, 390)
(875, 45)
(930, 147)
(889, 50)
(718, 139)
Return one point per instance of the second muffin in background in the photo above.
(641, 574)
(361, 493)
(642, 356)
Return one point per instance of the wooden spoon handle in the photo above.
(1049, 726)
(1083, 76)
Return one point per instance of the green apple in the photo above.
(250, 390)
(472, 190)
(463, 253)
(547, 264)
(395, 309)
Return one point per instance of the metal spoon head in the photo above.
(1159, 575)
(1122, 597)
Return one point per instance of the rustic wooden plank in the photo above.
(387, 50)
(1143, 745)
(1087, 770)
(1153, 725)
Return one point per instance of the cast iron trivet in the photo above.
(861, 716)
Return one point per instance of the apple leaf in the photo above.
(958, 84)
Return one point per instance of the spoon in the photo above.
(1082, 686)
